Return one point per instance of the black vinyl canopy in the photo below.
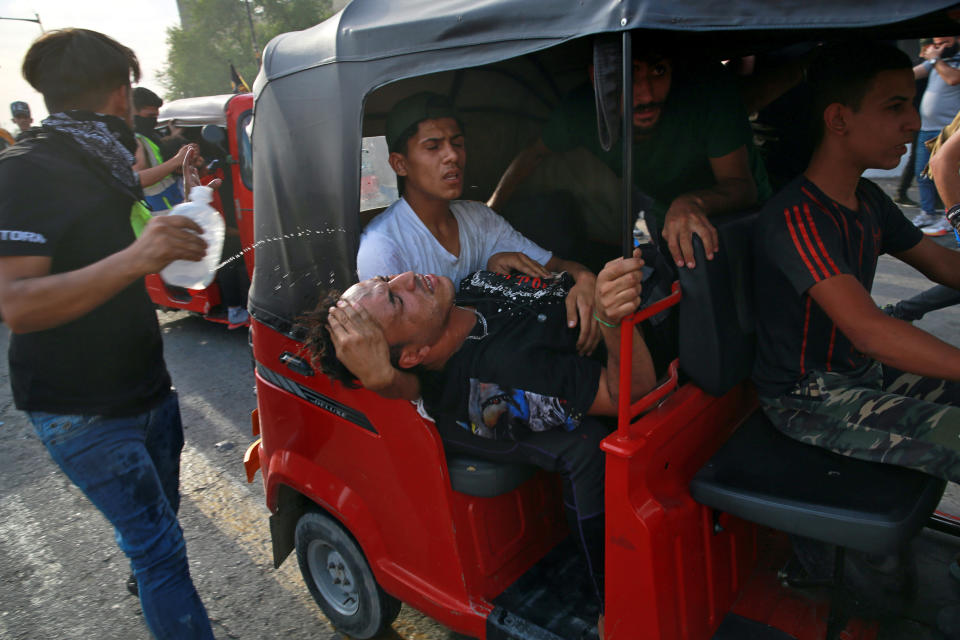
(314, 86)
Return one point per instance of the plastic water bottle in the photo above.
(198, 275)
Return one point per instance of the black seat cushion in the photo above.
(485, 478)
(763, 476)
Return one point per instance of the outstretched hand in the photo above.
(191, 177)
(360, 345)
(618, 288)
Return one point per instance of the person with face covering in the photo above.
(162, 189)
(86, 355)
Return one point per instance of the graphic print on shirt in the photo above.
(506, 414)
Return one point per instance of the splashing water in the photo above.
(286, 236)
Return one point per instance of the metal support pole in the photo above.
(626, 109)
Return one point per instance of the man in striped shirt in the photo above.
(832, 369)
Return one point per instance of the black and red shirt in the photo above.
(804, 237)
(519, 371)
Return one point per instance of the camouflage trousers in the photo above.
(880, 415)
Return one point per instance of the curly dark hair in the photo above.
(319, 345)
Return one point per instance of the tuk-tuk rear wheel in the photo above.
(339, 578)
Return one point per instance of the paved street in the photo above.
(61, 576)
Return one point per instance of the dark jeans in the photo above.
(909, 169)
(576, 456)
(129, 468)
(936, 297)
(928, 191)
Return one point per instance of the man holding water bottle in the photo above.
(86, 357)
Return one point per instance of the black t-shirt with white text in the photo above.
(57, 202)
(804, 237)
(521, 373)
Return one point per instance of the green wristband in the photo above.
(603, 322)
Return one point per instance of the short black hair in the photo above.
(78, 68)
(400, 146)
(319, 344)
(843, 72)
(143, 97)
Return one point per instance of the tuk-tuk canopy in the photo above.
(314, 86)
(195, 112)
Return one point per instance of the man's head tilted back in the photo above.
(863, 101)
(411, 310)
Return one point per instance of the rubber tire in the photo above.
(376, 609)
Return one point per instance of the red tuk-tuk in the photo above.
(701, 492)
(221, 125)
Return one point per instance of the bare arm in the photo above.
(937, 263)
(33, 299)
(152, 175)
(873, 333)
(518, 171)
(618, 295)
(734, 189)
(945, 167)
(920, 71)
(950, 75)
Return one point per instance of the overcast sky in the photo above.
(139, 24)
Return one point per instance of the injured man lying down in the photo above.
(497, 367)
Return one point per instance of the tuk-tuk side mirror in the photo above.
(214, 135)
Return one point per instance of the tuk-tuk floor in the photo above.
(872, 612)
(555, 595)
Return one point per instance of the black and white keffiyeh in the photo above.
(103, 137)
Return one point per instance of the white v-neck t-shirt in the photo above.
(397, 241)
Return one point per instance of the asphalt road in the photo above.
(62, 576)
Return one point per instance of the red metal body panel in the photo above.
(242, 196)
(668, 573)
(443, 552)
(203, 301)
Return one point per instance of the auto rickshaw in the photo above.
(221, 125)
(702, 493)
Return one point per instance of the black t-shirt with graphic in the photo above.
(804, 237)
(522, 371)
(58, 202)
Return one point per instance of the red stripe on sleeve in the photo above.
(803, 343)
(799, 247)
(822, 208)
(816, 235)
(809, 244)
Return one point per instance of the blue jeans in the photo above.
(928, 193)
(129, 468)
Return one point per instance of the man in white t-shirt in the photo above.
(429, 231)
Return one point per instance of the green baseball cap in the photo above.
(415, 109)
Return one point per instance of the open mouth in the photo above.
(427, 282)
